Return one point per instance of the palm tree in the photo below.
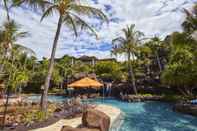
(9, 35)
(128, 45)
(69, 12)
(155, 45)
(8, 39)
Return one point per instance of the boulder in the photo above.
(68, 128)
(58, 109)
(96, 119)
(84, 97)
(186, 108)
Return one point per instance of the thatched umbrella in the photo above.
(85, 83)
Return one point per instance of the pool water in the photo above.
(150, 116)
(51, 98)
(146, 116)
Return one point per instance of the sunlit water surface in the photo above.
(144, 116)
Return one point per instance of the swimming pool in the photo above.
(51, 98)
(150, 116)
(146, 116)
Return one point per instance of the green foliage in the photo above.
(109, 70)
(173, 98)
(34, 116)
(190, 24)
(146, 95)
(181, 69)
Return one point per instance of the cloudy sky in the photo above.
(153, 17)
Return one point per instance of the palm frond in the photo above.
(118, 40)
(24, 49)
(49, 11)
(21, 34)
(69, 20)
(81, 23)
(34, 4)
(87, 10)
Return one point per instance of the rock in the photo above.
(68, 128)
(93, 95)
(58, 110)
(34, 104)
(186, 108)
(96, 119)
(84, 97)
(11, 109)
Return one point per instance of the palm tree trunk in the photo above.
(182, 92)
(158, 61)
(5, 107)
(3, 59)
(7, 10)
(50, 70)
(131, 76)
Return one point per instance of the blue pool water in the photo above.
(147, 116)
(51, 98)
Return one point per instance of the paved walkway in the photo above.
(112, 112)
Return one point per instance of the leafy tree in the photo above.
(155, 46)
(109, 70)
(181, 70)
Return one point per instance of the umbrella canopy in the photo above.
(86, 82)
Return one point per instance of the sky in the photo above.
(153, 17)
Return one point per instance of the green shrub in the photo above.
(173, 98)
(34, 116)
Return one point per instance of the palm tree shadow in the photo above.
(157, 117)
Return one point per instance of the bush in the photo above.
(35, 116)
(147, 95)
(173, 98)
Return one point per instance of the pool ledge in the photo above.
(113, 112)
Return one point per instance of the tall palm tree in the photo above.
(128, 45)
(9, 35)
(69, 12)
(155, 45)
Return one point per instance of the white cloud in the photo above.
(153, 17)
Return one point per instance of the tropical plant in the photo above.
(68, 13)
(9, 36)
(12, 71)
(128, 45)
(181, 69)
(109, 70)
(155, 46)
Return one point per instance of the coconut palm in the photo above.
(128, 45)
(9, 35)
(69, 12)
(155, 46)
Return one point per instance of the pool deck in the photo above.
(112, 112)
